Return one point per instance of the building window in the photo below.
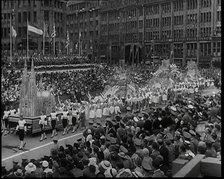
(46, 16)
(35, 16)
(192, 4)
(34, 3)
(24, 16)
(166, 8)
(205, 49)
(28, 16)
(218, 15)
(178, 5)
(19, 17)
(205, 3)
(191, 49)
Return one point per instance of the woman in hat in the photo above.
(21, 128)
(43, 123)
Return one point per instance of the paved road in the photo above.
(36, 149)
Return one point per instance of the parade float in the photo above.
(33, 101)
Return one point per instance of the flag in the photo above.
(35, 30)
(67, 41)
(46, 30)
(53, 34)
(14, 34)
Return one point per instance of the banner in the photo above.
(14, 34)
(35, 30)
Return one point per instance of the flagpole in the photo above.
(27, 37)
(44, 39)
(10, 38)
(54, 40)
(79, 44)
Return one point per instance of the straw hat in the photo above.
(105, 164)
(18, 173)
(45, 163)
(30, 167)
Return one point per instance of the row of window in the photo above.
(152, 10)
(178, 34)
(191, 33)
(178, 20)
(154, 35)
(192, 4)
(178, 5)
(206, 32)
(166, 34)
(206, 3)
(192, 18)
(152, 23)
(206, 17)
(52, 3)
(27, 15)
(166, 21)
(166, 8)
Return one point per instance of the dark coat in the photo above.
(165, 153)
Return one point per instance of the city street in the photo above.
(35, 149)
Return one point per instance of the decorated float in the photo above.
(33, 101)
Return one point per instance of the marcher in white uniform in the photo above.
(43, 123)
(92, 113)
(53, 119)
(65, 121)
(21, 128)
(99, 113)
(6, 121)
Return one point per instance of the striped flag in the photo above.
(34, 30)
(46, 30)
(14, 34)
(67, 41)
(53, 34)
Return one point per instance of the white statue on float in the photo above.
(34, 101)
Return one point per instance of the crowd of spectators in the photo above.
(137, 144)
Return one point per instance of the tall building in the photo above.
(83, 22)
(181, 29)
(37, 12)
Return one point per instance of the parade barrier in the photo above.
(33, 123)
(70, 66)
(200, 166)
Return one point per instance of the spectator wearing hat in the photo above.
(45, 166)
(125, 158)
(110, 173)
(30, 168)
(147, 167)
(103, 166)
(164, 152)
(16, 174)
(210, 152)
(155, 150)
(170, 147)
(183, 153)
(120, 168)
(39, 170)
(137, 162)
(193, 142)
(157, 171)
